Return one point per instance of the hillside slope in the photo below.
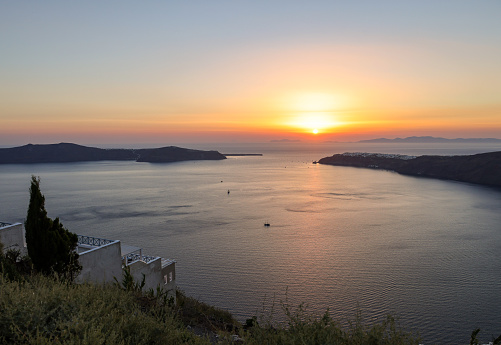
(484, 168)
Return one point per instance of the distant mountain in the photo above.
(175, 154)
(67, 152)
(285, 141)
(484, 168)
(429, 139)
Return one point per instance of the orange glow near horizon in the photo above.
(305, 116)
(312, 112)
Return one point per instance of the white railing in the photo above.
(134, 256)
(126, 259)
(93, 241)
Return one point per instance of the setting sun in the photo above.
(312, 112)
(314, 122)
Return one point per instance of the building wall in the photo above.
(155, 275)
(12, 236)
(151, 270)
(169, 279)
(101, 264)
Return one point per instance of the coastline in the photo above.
(483, 168)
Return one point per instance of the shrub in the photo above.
(44, 310)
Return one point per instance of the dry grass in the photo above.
(44, 310)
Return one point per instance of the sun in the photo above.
(313, 112)
(314, 122)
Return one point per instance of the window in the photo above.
(168, 278)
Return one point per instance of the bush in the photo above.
(13, 265)
(44, 310)
(304, 328)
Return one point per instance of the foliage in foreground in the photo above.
(44, 310)
(305, 328)
(51, 246)
(38, 309)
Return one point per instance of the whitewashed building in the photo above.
(103, 260)
(12, 237)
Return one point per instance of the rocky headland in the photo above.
(484, 168)
(67, 152)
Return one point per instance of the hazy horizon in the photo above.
(272, 142)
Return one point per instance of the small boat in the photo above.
(266, 224)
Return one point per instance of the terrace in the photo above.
(130, 254)
(103, 260)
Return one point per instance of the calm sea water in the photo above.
(347, 239)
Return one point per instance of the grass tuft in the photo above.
(46, 310)
(43, 310)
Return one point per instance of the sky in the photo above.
(109, 72)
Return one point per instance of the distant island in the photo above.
(285, 141)
(429, 139)
(241, 154)
(67, 152)
(484, 168)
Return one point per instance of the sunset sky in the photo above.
(105, 72)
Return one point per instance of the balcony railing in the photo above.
(126, 259)
(130, 258)
(93, 241)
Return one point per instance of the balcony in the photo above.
(130, 254)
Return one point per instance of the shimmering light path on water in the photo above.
(340, 238)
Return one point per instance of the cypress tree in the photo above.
(51, 246)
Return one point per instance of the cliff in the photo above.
(66, 152)
(484, 168)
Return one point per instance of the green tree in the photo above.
(51, 246)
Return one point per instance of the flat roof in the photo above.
(126, 249)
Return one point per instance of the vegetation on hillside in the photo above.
(45, 310)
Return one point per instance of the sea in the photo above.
(348, 240)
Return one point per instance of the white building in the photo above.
(103, 260)
(12, 237)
